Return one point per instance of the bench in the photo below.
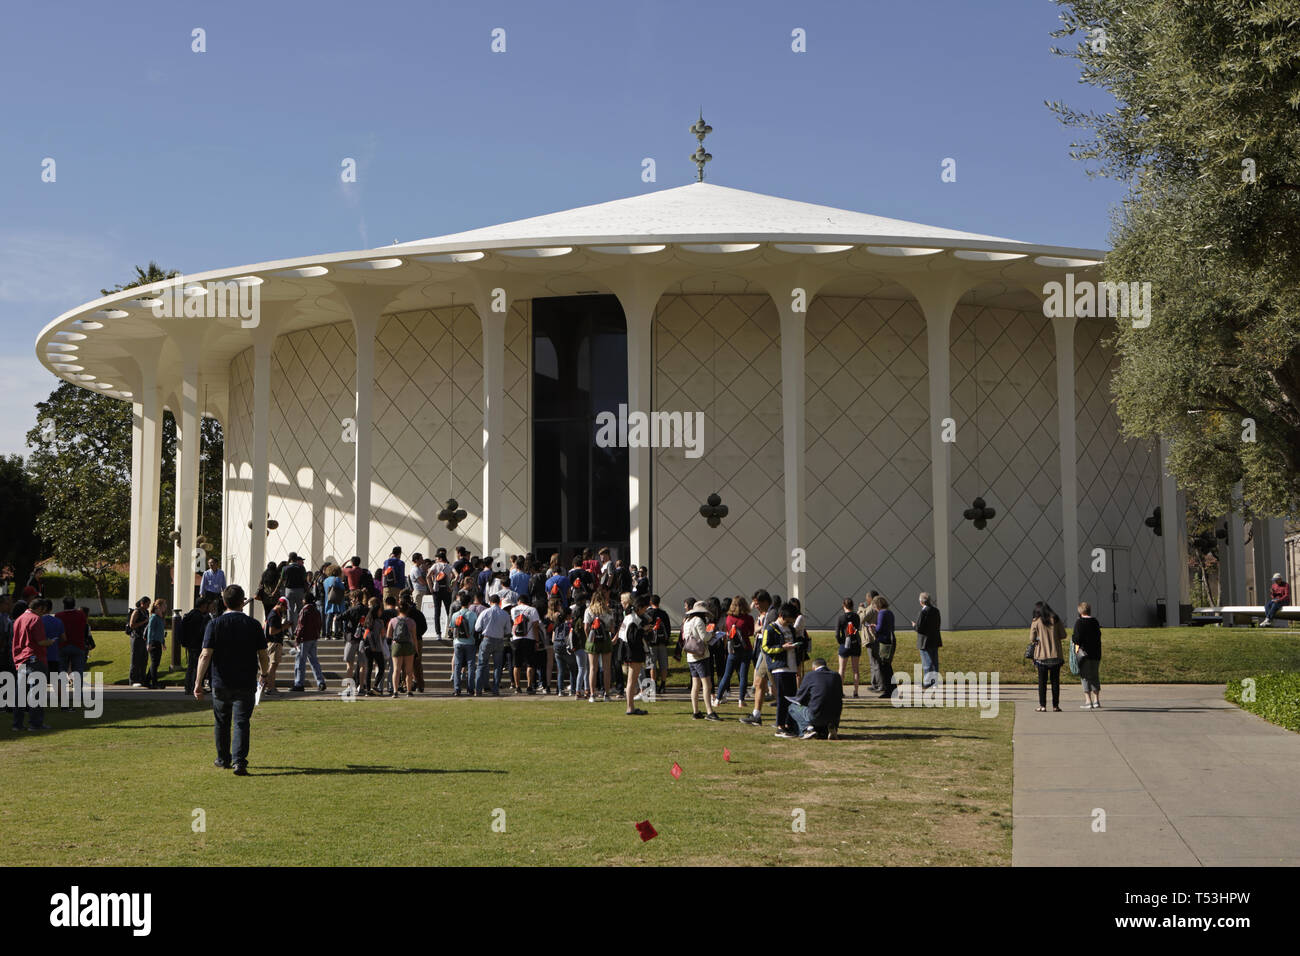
(1241, 615)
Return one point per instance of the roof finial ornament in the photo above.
(700, 157)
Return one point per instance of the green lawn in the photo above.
(1275, 697)
(417, 782)
(1180, 655)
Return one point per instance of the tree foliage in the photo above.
(21, 503)
(1206, 132)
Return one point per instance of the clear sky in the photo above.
(232, 156)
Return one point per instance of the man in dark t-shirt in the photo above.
(234, 648)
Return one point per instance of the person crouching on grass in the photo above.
(695, 641)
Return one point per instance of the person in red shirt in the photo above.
(1279, 593)
(75, 627)
(29, 645)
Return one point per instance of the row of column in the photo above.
(791, 290)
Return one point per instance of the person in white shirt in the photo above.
(695, 641)
(525, 643)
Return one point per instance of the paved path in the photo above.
(1184, 777)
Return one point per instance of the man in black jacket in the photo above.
(819, 702)
(928, 639)
(192, 626)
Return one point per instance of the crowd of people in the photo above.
(42, 649)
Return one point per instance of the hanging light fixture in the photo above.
(714, 510)
(979, 513)
(453, 514)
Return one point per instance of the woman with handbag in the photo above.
(1047, 637)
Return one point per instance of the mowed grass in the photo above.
(418, 782)
(1176, 655)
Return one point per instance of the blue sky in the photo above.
(231, 156)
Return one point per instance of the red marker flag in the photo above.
(726, 755)
(676, 772)
(646, 830)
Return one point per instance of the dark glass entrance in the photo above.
(580, 497)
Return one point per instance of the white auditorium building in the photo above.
(861, 381)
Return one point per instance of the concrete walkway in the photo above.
(1184, 779)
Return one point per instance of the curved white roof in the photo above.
(706, 210)
(697, 238)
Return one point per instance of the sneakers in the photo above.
(1097, 706)
(298, 688)
(591, 699)
(321, 687)
(543, 691)
(752, 720)
(220, 764)
(808, 734)
(241, 770)
(697, 715)
(636, 712)
(720, 699)
(784, 733)
(712, 717)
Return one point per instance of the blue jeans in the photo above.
(295, 597)
(1271, 608)
(232, 707)
(31, 676)
(929, 665)
(564, 667)
(490, 649)
(307, 652)
(737, 664)
(463, 656)
(74, 660)
(802, 718)
(582, 684)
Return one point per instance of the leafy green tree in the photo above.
(21, 503)
(1206, 133)
(82, 461)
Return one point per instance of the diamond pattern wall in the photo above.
(239, 468)
(868, 453)
(1119, 486)
(1007, 452)
(720, 355)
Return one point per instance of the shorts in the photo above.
(522, 649)
(761, 672)
(852, 649)
(701, 669)
(404, 648)
(349, 651)
(1090, 674)
(598, 645)
(636, 653)
(660, 661)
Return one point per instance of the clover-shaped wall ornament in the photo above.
(979, 513)
(453, 514)
(714, 511)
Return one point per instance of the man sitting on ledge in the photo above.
(816, 708)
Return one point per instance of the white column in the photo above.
(137, 499)
(263, 346)
(188, 443)
(793, 413)
(937, 298)
(151, 412)
(639, 294)
(1170, 525)
(1065, 410)
(494, 358)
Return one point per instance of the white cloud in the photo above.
(27, 382)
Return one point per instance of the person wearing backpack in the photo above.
(525, 645)
(867, 611)
(695, 642)
(764, 616)
(268, 587)
(336, 601)
(461, 622)
(738, 629)
(353, 653)
(305, 636)
(780, 643)
(663, 629)
(393, 574)
(848, 635)
(601, 624)
(293, 579)
(439, 580)
(637, 626)
(402, 641)
(370, 640)
(578, 642)
(559, 626)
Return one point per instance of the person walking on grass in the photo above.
(1048, 636)
(765, 614)
(695, 642)
(601, 624)
(156, 636)
(738, 631)
(848, 637)
(1087, 648)
(234, 648)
